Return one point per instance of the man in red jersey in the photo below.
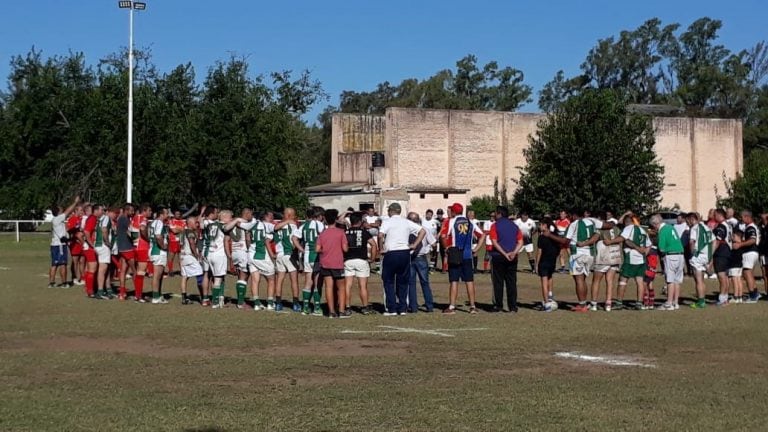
(140, 235)
(175, 224)
(90, 225)
(75, 244)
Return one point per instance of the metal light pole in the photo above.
(130, 5)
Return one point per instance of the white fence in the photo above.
(15, 224)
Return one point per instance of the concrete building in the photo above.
(432, 158)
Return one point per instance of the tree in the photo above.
(747, 190)
(485, 204)
(591, 153)
(235, 140)
(468, 87)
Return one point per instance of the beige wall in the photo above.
(448, 149)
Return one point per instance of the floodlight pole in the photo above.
(129, 173)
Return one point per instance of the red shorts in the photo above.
(142, 255)
(128, 255)
(90, 256)
(76, 249)
(174, 247)
(116, 260)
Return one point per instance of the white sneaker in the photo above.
(667, 307)
(593, 307)
(258, 307)
(160, 300)
(270, 307)
(608, 308)
(677, 306)
(390, 314)
(78, 282)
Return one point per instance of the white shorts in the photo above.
(284, 264)
(190, 266)
(674, 268)
(264, 267)
(580, 264)
(216, 264)
(735, 272)
(357, 267)
(749, 260)
(160, 259)
(605, 268)
(311, 267)
(699, 263)
(104, 254)
(528, 248)
(240, 260)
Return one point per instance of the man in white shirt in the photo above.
(372, 222)
(420, 269)
(394, 238)
(432, 225)
(527, 226)
(59, 240)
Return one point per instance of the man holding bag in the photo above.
(456, 235)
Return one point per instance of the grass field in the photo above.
(69, 363)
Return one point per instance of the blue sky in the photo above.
(353, 45)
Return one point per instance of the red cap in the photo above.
(457, 208)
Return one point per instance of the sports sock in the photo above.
(316, 298)
(270, 301)
(222, 289)
(156, 294)
(241, 287)
(295, 300)
(216, 292)
(305, 296)
(89, 283)
(138, 284)
(122, 291)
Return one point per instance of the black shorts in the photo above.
(464, 272)
(336, 274)
(722, 264)
(546, 269)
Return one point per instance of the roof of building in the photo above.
(440, 190)
(338, 188)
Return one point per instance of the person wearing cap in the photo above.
(394, 236)
(457, 234)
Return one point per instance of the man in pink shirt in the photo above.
(331, 245)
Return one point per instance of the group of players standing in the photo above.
(136, 242)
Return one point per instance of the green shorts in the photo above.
(630, 271)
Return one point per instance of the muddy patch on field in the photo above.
(342, 348)
(129, 346)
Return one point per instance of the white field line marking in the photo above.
(7, 268)
(393, 329)
(609, 360)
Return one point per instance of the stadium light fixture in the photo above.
(130, 5)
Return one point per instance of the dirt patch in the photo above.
(130, 346)
(342, 348)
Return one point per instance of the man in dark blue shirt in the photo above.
(507, 240)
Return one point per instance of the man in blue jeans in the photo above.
(456, 234)
(394, 236)
(507, 240)
(420, 269)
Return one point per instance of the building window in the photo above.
(445, 196)
(422, 196)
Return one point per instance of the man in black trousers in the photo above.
(507, 240)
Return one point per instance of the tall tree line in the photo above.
(235, 140)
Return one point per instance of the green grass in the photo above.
(68, 363)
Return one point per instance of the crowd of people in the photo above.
(103, 246)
